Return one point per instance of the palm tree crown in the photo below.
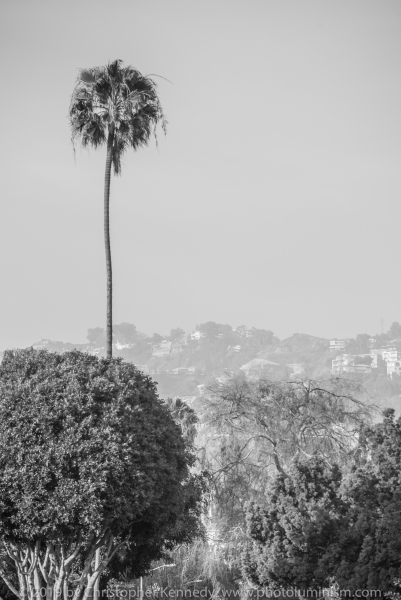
(115, 104)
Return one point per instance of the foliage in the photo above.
(212, 356)
(359, 345)
(115, 100)
(369, 545)
(295, 523)
(278, 421)
(252, 430)
(262, 336)
(176, 334)
(321, 523)
(125, 333)
(156, 338)
(395, 330)
(7, 572)
(90, 459)
(363, 360)
(385, 390)
(96, 336)
(210, 328)
(202, 565)
(186, 418)
(381, 340)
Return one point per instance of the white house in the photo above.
(258, 366)
(337, 345)
(345, 363)
(393, 366)
(197, 335)
(162, 349)
(120, 346)
(389, 354)
(42, 343)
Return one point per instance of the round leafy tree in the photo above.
(94, 470)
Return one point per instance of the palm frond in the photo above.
(115, 98)
(87, 76)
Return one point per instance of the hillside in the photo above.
(183, 363)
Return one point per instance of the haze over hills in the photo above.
(183, 363)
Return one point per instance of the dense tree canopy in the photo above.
(96, 335)
(126, 333)
(176, 334)
(369, 545)
(322, 523)
(90, 459)
(296, 521)
(395, 330)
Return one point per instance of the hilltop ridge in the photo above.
(183, 363)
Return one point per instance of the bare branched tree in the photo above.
(271, 423)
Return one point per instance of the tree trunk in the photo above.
(109, 313)
(97, 582)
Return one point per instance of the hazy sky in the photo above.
(274, 200)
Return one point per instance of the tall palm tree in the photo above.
(119, 107)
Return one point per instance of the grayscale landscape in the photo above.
(200, 334)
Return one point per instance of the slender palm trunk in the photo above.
(109, 314)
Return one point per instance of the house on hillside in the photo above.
(393, 366)
(350, 363)
(337, 345)
(162, 349)
(391, 357)
(223, 379)
(121, 346)
(184, 370)
(41, 344)
(259, 367)
(177, 347)
(197, 335)
(375, 353)
(297, 370)
(243, 331)
(389, 354)
(282, 350)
